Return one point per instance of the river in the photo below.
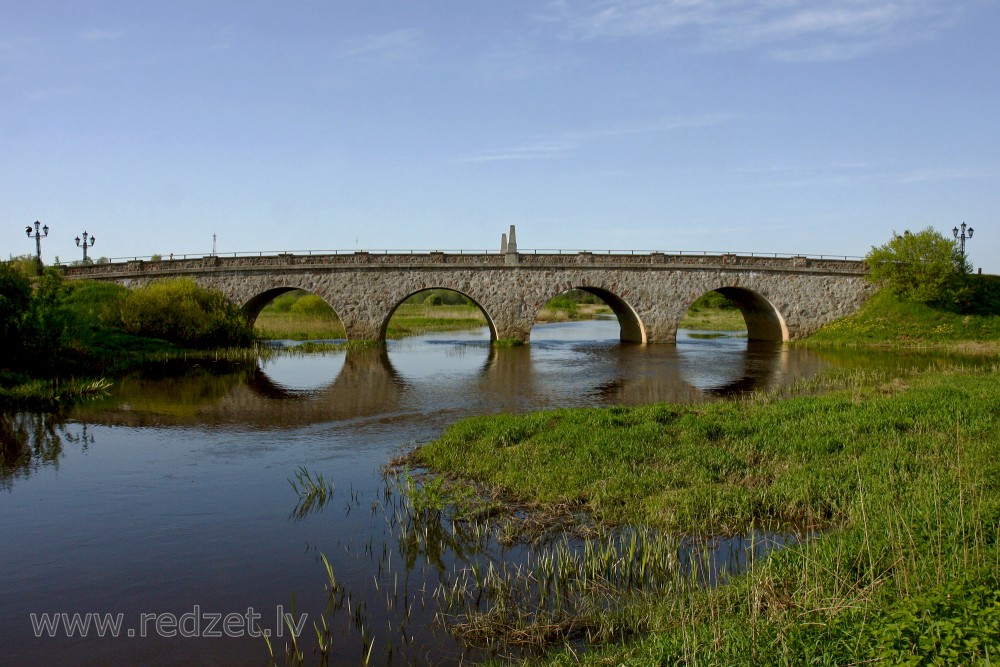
(167, 505)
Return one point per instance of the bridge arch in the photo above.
(384, 327)
(259, 301)
(764, 321)
(632, 328)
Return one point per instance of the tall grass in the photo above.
(896, 479)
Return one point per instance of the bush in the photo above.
(312, 305)
(978, 295)
(439, 297)
(924, 266)
(713, 301)
(98, 302)
(181, 312)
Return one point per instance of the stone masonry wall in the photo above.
(654, 289)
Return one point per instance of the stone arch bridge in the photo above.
(781, 298)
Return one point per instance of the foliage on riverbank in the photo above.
(900, 476)
(712, 311)
(58, 337)
(887, 320)
(298, 315)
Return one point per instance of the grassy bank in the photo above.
(888, 321)
(899, 476)
(713, 319)
(412, 319)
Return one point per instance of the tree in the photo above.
(923, 266)
(15, 301)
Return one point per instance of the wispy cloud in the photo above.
(789, 30)
(860, 173)
(573, 140)
(57, 92)
(663, 125)
(946, 174)
(393, 46)
(532, 151)
(521, 59)
(101, 35)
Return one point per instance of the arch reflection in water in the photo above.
(722, 364)
(366, 384)
(291, 374)
(441, 377)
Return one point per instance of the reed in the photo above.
(313, 490)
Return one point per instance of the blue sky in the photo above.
(791, 126)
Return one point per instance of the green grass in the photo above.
(900, 477)
(276, 325)
(415, 319)
(887, 320)
(410, 319)
(713, 319)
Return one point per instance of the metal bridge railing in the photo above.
(534, 251)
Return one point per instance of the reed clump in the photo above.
(313, 490)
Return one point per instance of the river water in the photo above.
(168, 504)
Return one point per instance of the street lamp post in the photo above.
(959, 235)
(38, 234)
(85, 244)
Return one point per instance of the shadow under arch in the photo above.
(253, 307)
(384, 328)
(763, 320)
(632, 328)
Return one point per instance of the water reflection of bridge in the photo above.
(369, 385)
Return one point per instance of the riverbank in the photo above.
(886, 321)
(895, 479)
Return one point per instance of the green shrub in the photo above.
(439, 297)
(96, 301)
(978, 295)
(923, 266)
(181, 312)
(713, 301)
(312, 305)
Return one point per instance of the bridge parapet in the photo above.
(657, 260)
